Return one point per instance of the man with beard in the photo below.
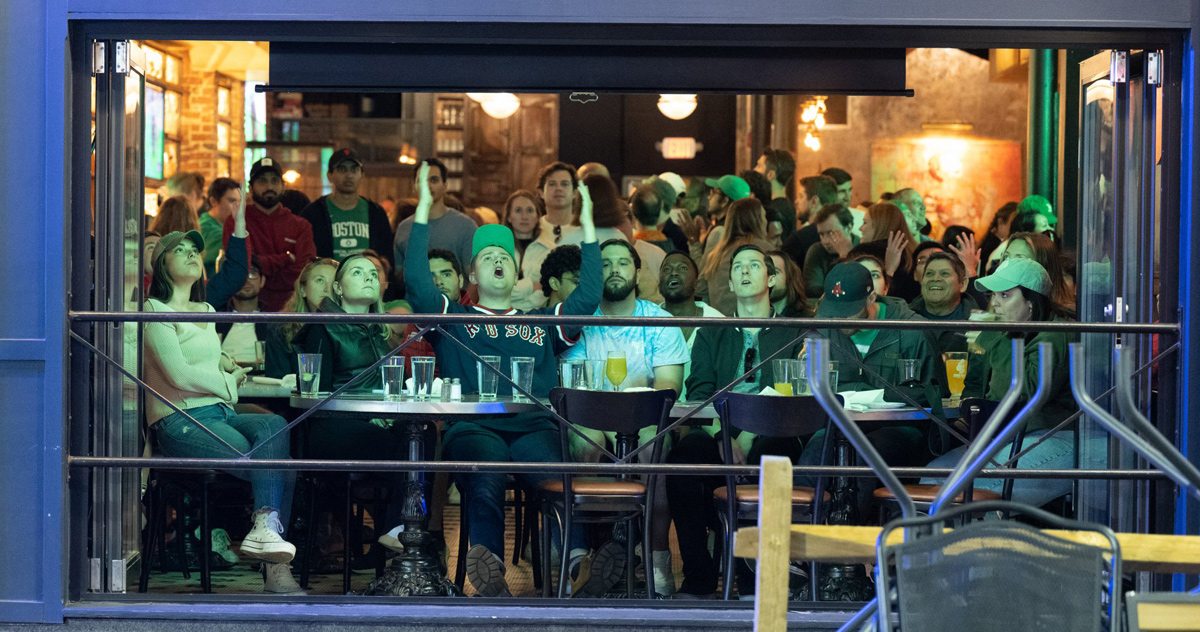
(281, 241)
(530, 437)
(654, 357)
(238, 339)
(677, 284)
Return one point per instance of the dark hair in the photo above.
(843, 214)
(1003, 216)
(797, 298)
(439, 253)
(647, 205)
(824, 188)
(383, 262)
(162, 286)
(767, 261)
(441, 167)
(1025, 222)
(782, 163)
(608, 211)
(1042, 308)
(839, 175)
(1045, 252)
(175, 214)
(959, 268)
(928, 245)
(558, 262)
(858, 257)
(294, 200)
(950, 235)
(685, 255)
(221, 186)
(760, 186)
(551, 168)
(637, 260)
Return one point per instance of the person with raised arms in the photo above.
(522, 437)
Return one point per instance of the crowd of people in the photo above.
(763, 244)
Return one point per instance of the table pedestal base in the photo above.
(845, 582)
(413, 575)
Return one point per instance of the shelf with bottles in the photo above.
(450, 113)
(454, 164)
(449, 142)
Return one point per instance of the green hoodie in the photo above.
(884, 355)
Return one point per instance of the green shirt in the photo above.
(351, 231)
(864, 338)
(212, 232)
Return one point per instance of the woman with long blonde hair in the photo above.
(745, 224)
(314, 285)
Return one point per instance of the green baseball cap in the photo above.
(732, 186)
(494, 235)
(1039, 204)
(1025, 273)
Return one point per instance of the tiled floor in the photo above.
(241, 579)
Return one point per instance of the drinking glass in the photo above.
(615, 369)
(522, 374)
(594, 374)
(260, 355)
(571, 374)
(956, 372)
(488, 376)
(787, 373)
(308, 379)
(393, 379)
(422, 370)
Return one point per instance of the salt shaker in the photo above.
(446, 390)
(455, 390)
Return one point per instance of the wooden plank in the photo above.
(774, 518)
(1168, 617)
(856, 545)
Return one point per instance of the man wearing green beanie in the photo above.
(502, 438)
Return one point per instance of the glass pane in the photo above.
(223, 102)
(172, 74)
(222, 137)
(170, 158)
(154, 63)
(171, 110)
(154, 132)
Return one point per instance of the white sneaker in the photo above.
(278, 580)
(391, 539)
(264, 541)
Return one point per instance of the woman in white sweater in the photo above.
(184, 364)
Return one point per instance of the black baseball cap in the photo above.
(343, 155)
(264, 165)
(847, 287)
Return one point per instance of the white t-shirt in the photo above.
(239, 342)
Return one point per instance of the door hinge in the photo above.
(1154, 68)
(95, 581)
(121, 57)
(1118, 71)
(98, 58)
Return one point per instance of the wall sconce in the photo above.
(812, 113)
(498, 105)
(408, 154)
(291, 176)
(677, 106)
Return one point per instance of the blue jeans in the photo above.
(1055, 453)
(179, 437)
(483, 492)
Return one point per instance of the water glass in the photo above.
(393, 379)
(422, 371)
(594, 374)
(787, 376)
(571, 374)
(488, 376)
(522, 374)
(308, 377)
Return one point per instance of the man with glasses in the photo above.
(835, 229)
(721, 355)
(345, 223)
(281, 241)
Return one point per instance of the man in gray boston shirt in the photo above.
(448, 229)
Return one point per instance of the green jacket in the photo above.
(991, 367)
(884, 355)
(346, 349)
(948, 340)
(718, 357)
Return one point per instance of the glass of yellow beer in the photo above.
(787, 376)
(956, 372)
(615, 368)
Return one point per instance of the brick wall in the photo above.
(198, 123)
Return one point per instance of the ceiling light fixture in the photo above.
(677, 106)
(501, 105)
(812, 114)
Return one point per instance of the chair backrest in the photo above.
(772, 415)
(998, 575)
(624, 413)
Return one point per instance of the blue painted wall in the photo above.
(33, 156)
